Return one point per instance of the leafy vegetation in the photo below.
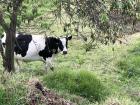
(107, 20)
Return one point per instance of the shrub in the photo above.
(83, 83)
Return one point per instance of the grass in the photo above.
(12, 94)
(129, 66)
(83, 83)
(82, 77)
(118, 100)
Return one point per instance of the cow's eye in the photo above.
(3, 44)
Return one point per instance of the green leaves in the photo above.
(104, 17)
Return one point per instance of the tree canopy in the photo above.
(107, 19)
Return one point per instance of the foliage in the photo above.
(83, 83)
(107, 19)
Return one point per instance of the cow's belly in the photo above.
(28, 58)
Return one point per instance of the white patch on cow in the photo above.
(3, 38)
(37, 44)
(63, 40)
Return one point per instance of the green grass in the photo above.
(129, 70)
(119, 100)
(83, 77)
(83, 83)
(130, 65)
(12, 96)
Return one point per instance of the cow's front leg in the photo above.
(17, 65)
(49, 64)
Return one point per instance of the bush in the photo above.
(83, 83)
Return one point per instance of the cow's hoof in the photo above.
(52, 68)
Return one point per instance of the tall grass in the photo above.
(130, 65)
(83, 83)
(118, 100)
(12, 96)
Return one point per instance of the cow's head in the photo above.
(63, 46)
(3, 39)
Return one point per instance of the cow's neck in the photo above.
(51, 45)
(50, 48)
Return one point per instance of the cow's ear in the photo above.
(69, 37)
(3, 34)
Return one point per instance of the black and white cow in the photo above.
(38, 47)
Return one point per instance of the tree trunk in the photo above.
(10, 34)
(9, 52)
(10, 41)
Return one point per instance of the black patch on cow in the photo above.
(68, 38)
(22, 43)
(51, 47)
